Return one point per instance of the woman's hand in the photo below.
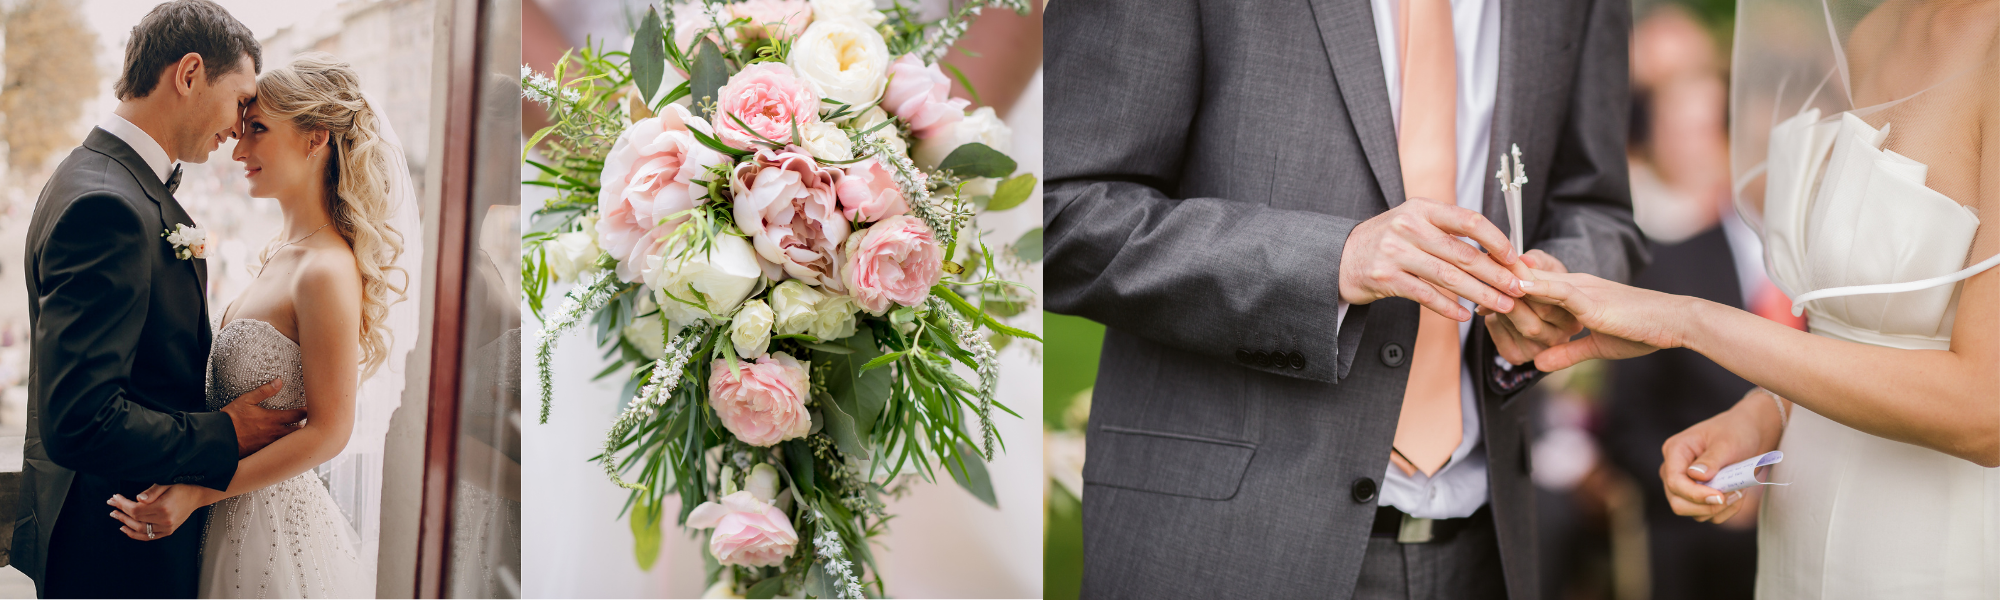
(165, 507)
(1694, 456)
(1624, 321)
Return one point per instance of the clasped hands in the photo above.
(162, 509)
(1413, 251)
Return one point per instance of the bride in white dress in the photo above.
(1866, 143)
(317, 316)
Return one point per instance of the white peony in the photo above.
(888, 133)
(188, 241)
(724, 275)
(795, 305)
(573, 254)
(826, 141)
(750, 331)
(982, 126)
(862, 11)
(833, 318)
(841, 60)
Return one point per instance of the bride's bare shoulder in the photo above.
(327, 279)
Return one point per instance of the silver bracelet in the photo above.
(1783, 418)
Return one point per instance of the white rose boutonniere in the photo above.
(189, 242)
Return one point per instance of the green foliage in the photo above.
(977, 160)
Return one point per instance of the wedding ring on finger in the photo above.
(149, 531)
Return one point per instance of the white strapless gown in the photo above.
(1864, 516)
(285, 541)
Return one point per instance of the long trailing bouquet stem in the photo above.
(766, 212)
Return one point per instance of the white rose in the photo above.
(724, 275)
(982, 126)
(857, 10)
(751, 329)
(825, 141)
(888, 134)
(795, 305)
(841, 60)
(646, 332)
(834, 318)
(573, 254)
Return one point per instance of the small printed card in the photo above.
(1745, 474)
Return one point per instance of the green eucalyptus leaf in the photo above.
(1029, 247)
(860, 392)
(977, 160)
(711, 71)
(767, 588)
(971, 474)
(649, 55)
(818, 583)
(828, 348)
(645, 520)
(1012, 192)
(841, 427)
(799, 460)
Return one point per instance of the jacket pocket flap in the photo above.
(1168, 463)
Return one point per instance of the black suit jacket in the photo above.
(116, 376)
(1658, 395)
(1206, 162)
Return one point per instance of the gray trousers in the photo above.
(1463, 567)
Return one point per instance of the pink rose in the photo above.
(868, 193)
(748, 532)
(647, 179)
(786, 201)
(767, 98)
(896, 260)
(772, 19)
(919, 94)
(762, 403)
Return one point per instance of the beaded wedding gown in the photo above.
(289, 540)
(1859, 236)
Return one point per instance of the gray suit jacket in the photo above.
(1207, 159)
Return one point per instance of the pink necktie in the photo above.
(1430, 426)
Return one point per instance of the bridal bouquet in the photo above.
(765, 209)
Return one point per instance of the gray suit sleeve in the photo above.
(1588, 224)
(1226, 278)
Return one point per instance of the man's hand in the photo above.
(1412, 251)
(1532, 327)
(256, 426)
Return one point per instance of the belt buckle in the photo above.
(1414, 530)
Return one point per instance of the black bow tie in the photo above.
(174, 181)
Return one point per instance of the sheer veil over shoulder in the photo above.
(315, 535)
(1857, 153)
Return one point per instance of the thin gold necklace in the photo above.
(274, 251)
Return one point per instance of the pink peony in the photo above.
(749, 532)
(772, 19)
(868, 193)
(647, 179)
(786, 201)
(896, 260)
(768, 99)
(919, 94)
(762, 403)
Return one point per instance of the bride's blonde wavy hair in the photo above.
(317, 93)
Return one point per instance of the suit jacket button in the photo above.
(1263, 359)
(1245, 357)
(1364, 490)
(1392, 354)
(1298, 360)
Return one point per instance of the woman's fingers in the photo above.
(152, 493)
(135, 529)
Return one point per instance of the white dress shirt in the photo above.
(141, 142)
(1459, 488)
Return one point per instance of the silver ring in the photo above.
(149, 531)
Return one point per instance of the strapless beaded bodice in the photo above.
(248, 353)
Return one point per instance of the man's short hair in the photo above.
(175, 29)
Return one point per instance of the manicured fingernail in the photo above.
(1715, 499)
(142, 497)
(1699, 469)
(1526, 284)
(1733, 497)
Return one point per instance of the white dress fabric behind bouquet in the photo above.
(1863, 516)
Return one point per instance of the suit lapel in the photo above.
(1347, 28)
(171, 213)
(1506, 121)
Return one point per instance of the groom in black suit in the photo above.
(120, 320)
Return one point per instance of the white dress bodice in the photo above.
(289, 540)
(1865, 516)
